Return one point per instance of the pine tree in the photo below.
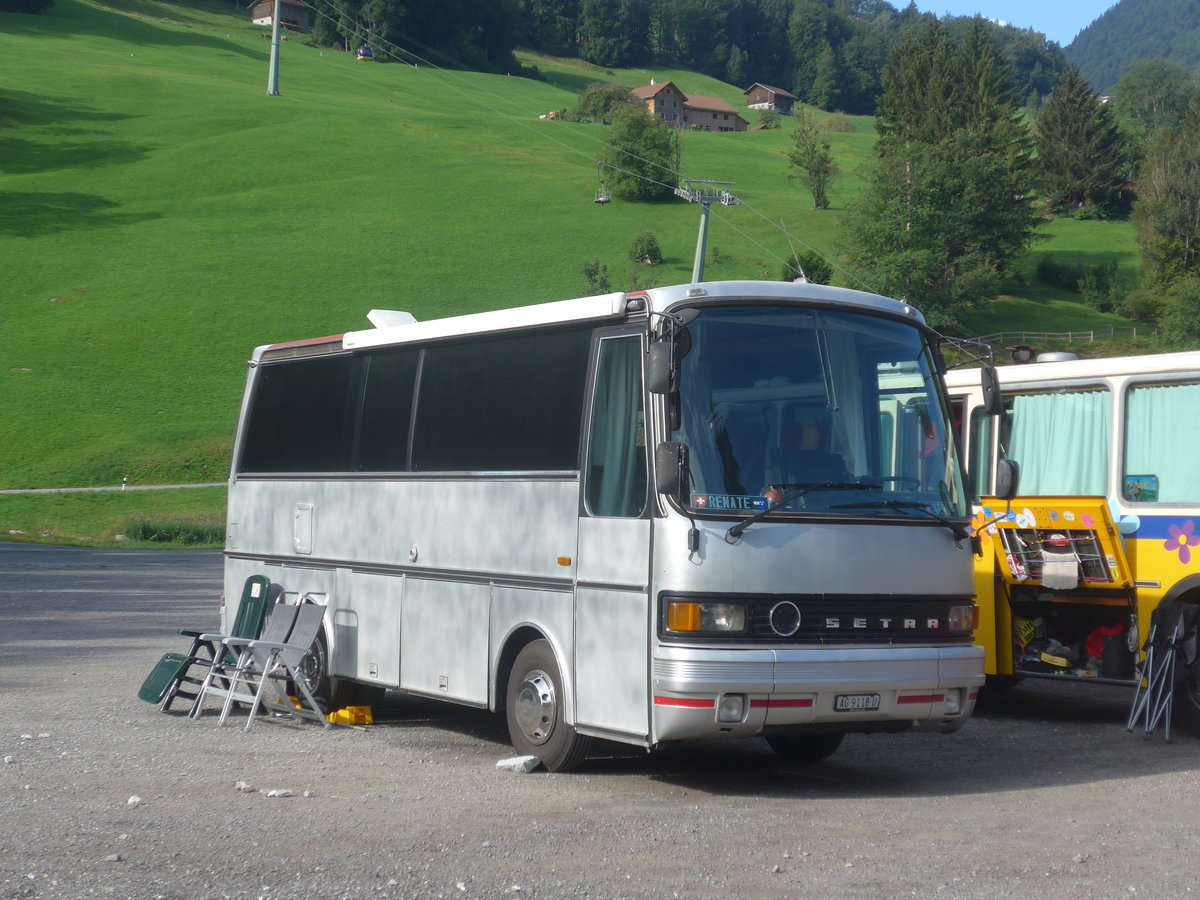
(945, 211)
(1081, 152)
(1167, 213)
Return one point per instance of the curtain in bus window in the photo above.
(616, 454)
(846, 393)
(1061, 441)
(1162, 430)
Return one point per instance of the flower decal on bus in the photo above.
(1182, 540)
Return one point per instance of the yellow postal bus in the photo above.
(1107, 526)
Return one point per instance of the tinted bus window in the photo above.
(503, 404)
(387, 411)
(301, 418)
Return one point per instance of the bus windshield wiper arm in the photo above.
(735, 531)
(960, 533)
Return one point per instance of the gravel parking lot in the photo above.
(1043, 794)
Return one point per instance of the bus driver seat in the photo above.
(805, 454)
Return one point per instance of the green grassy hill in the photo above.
(160, 215)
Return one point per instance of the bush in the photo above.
(596, 274)
(813, 265)
(839, 122)
(768, 118)
(598, 100)
(175, 532)
(645, 249)
(1050, 271)
(1098, 285)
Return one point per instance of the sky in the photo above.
(1059, 20)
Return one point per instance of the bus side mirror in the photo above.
(670, 466)
(660, 367)
(1008, 478)
(993, 401)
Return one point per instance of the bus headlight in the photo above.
(952, 702)
(684, 616)
(964, 619)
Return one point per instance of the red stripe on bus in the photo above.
(920, 698)
(684, 702)
(782, 704)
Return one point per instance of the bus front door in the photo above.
(613, 564)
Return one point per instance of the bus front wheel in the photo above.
(534, 710)
(804, 748)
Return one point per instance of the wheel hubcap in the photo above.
(535, 707)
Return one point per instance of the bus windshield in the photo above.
(812, 412)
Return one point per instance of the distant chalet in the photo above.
(694, 111)
(294, 15)
(765, 97)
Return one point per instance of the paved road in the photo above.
(1043, 794)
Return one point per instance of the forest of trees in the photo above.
(829, 53)
(1134, 30)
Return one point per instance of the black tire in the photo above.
(804, 748)
(1001, 682)
(534, 711)
(314, 669)
(334, 693)
(345, 693)
(1186, 703)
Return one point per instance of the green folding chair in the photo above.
(178, 675)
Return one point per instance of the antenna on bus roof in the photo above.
(382, 318)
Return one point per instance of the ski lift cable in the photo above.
(473, 89)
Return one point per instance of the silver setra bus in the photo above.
(720, 509)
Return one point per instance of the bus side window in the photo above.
(387, 411)
(616, 469)
(301, 416)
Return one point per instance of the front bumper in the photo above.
(800, 687)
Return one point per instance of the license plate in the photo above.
(855, 702)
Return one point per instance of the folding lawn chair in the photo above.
(1170, 651)
(171, 675)
(273, 661)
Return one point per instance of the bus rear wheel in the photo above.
(334, 693)
(807, 748)
(1186, 704)
(534, 710)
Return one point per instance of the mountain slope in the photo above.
(160, 215)
(1133, 30)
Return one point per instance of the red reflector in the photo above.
(685, 702)
(920, 698)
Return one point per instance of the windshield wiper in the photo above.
(735, 531)
(960, 533)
